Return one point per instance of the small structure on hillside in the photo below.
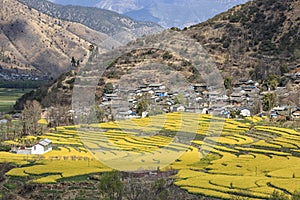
(39, 148)
(296, 114)
(245, 112)
(178, 108)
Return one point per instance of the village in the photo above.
(245, 98)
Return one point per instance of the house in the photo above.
(178, 109)
(3, 121)
(273, 114)
(245, 112)
(200, 88)
(296, 114)
(39, 148)
(145, 114)
(157, 86)
(205, 111)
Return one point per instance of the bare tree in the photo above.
(30, 117)
(8, 126)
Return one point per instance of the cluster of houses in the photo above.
(198, 98)
(21, 76)
(295, 77)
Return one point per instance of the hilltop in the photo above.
(171, 13)
(101, 20)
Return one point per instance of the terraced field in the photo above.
(215, 157)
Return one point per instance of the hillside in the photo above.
(34, 44)
(37, 44)
(254, 41)
(105, 21)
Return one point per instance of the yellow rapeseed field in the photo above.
(214, 157)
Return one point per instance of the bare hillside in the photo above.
(39, 44)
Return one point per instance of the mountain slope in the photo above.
(260, 37)
(34, 43)
(105, 21)
(254, 40)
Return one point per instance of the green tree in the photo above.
(160, 189)
(108, 88)
(142, 106)
(228, 83)
(180, 99)
(284, 69)
(271, 82)
(111, 186)
(269, 100)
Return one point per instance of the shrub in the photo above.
(278, 196)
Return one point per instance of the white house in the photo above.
(245, 112)
(296, 114)
(178, 108)
(39, 148)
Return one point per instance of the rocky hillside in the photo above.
(105, 21)
(254, 40)
(35, 43)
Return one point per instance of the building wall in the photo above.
(24, 151)
(38, 149)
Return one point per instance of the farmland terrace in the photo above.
(222, 154)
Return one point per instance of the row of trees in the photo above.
(27, 125)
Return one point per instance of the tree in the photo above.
(271, 82)
(91, 47)
(142, 106)
(8, 125)
(73, 61)
(269, 100)
(108, 88)
(59, 116)
(111, 186)
(180, 99)
(100, 114)
(137, 189)
(256, 107)
(30, 116)
(143, 103)
(228, 83)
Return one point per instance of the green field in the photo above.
(8, 97)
